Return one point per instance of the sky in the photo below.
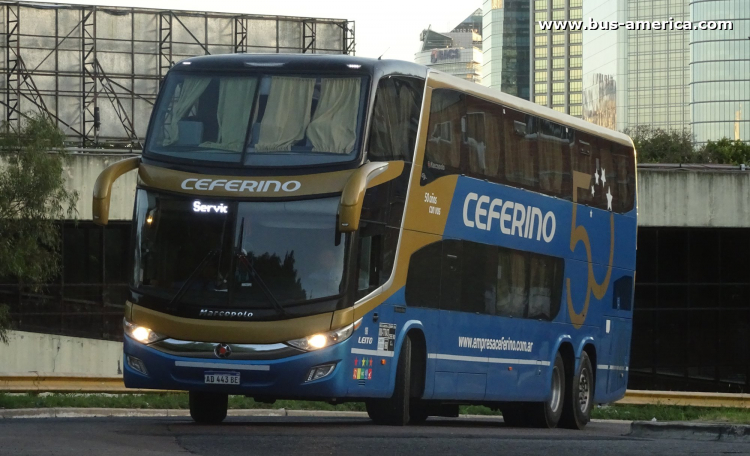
(381, 26)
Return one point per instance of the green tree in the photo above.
(656, 145)
(32, 197)
(727, 152)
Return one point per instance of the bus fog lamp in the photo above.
(137, 365)
(319, 372)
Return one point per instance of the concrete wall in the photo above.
(81, 174)
(682, 197)
(668, 196)
(44, 353)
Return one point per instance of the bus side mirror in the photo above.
(368, 175)
(103, 187)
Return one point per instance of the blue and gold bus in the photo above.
(346, 229)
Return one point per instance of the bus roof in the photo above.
(302, 62)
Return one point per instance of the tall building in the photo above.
(720, 72)
(636, 77)
(558, 58)
(658, 67)
(506, 44)
(458, 52)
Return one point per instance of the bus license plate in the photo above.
(221, 378)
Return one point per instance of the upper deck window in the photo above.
(262, 120)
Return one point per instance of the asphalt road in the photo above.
(281, 436)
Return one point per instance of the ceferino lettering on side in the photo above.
(513, 219)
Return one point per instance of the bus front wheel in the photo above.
(208, 408)
(394, 411)
(579, 398)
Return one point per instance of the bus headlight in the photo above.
(322, 340)
(140, 333)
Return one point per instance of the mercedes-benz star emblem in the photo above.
(223, 351)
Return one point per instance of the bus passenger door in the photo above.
(461, 368)
(618, 330)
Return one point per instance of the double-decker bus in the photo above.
(346, 229)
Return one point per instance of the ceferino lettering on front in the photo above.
(237, 185)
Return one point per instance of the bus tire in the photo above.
(547, 414)
(394, 411)
(514, 414)
(418, 412)
(208, 408)
(579, 398)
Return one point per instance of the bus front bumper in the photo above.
(283, 378)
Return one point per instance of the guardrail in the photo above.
(61, 383)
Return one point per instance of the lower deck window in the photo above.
(471, 277)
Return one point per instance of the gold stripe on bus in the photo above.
(256, 186)
(238, 332)
(438, 80)
(428, 206)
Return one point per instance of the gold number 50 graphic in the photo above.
(578, 234)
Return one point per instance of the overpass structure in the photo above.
(96, 70)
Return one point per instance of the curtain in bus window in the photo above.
(551, 140)
(443, 148)
(582, 156)
(624, 181)
(477, 146)
(233, 112)
(493, 133)
(191, 89)
(512, 296)
(287, 113)
(541, 288)
(334, 124)
(520, 149)
(395, 119)
(478, 283)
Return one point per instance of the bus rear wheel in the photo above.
(579, 398)
(540, 414)
(208, 408)
(394, 411)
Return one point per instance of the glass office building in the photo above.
(720, 71)
(558, 58)
(605, 65)
(506, 31)
(658, 92)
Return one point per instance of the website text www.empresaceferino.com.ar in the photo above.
(671, 24)
(501, 344)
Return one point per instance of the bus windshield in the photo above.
(245, 255)
(259, 120)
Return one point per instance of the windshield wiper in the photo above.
(242, 256)
(243, 259)
(211, 253)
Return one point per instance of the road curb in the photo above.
(81, 412)
(691, 431)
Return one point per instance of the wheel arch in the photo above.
(414, 329)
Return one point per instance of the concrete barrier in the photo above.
(31, 353)
(62, 383)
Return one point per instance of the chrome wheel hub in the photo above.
(584, 390)
(554, 402)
